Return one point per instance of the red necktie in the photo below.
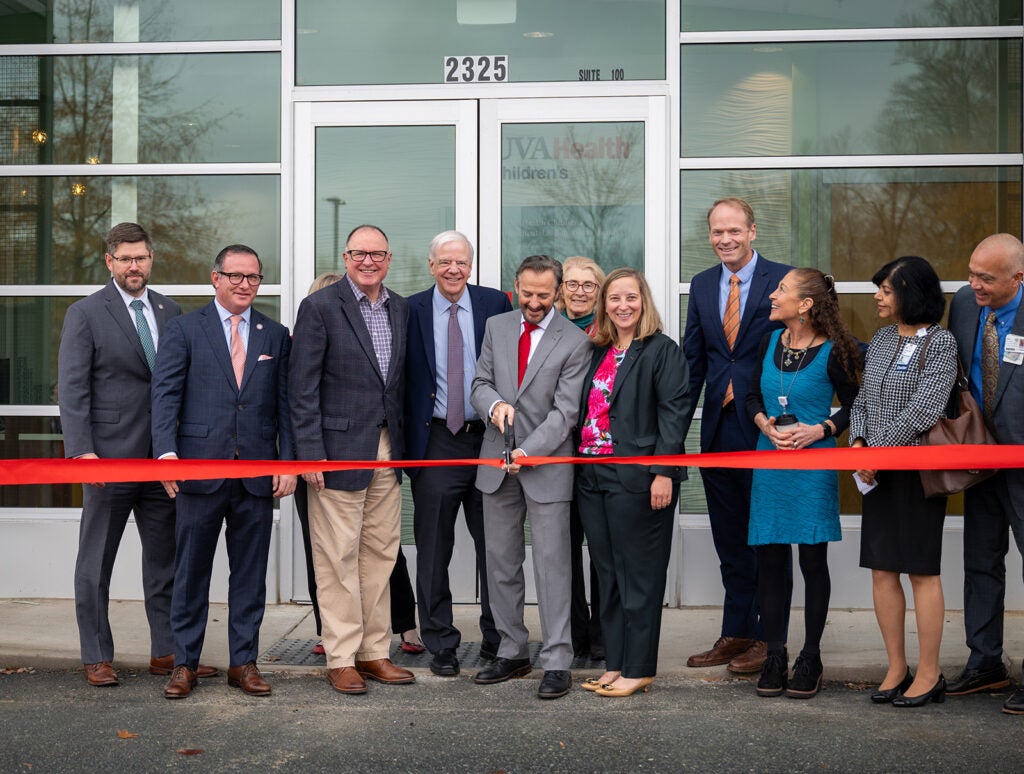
(524, 347)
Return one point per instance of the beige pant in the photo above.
(355, 538)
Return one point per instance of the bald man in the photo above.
(996, 506)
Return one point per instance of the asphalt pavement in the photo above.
(691, 720)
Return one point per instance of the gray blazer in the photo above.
(964, 318)
(547, 404)
(103, 377)
(339, 399)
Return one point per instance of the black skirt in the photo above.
(901, 530)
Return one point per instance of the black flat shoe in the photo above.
(937, 694)
(886, 696)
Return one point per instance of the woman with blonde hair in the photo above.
(635, 402)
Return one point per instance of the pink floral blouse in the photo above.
(595, 434)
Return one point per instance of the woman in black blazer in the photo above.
(635, 402)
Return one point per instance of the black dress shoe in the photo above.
(976, 680)
(937, 694)
(503, 669)
(445, 663)
(886, 696)
(556, 683)
(489, 650)
(1015, 704)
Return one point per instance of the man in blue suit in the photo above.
(730, 301)
(220, 392)
(441, 423)
(991, 304)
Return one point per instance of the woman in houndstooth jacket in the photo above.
(909, 372)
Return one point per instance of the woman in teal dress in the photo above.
(813, 357)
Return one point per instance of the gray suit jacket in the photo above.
(964, 317)
(339, 399)
(547, 404)
(103, 377)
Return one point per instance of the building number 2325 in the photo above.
(476, 69)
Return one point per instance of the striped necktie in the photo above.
(731, 325)
(145, 334)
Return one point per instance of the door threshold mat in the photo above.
(296, 652)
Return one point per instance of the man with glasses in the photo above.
(446, 332)
(104, 367)
(347, 384)
(220, 392)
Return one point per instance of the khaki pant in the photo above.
(355, 538)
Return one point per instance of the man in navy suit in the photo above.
(435, 431)
(726, 372)
(995, 507)
(347, 384)
(220, 391)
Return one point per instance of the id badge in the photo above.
(906, 356)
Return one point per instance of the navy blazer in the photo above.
(964, 318)
(339, 397)
(711, 361)
(649, 408)
(199, 412)
(103, 377)
(421, 370)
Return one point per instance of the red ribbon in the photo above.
(63, 471)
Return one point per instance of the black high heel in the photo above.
(937, 694)
(887, 695)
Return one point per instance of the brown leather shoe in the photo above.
(722, 652)
(101, 674)
(164, 665)
(182, 681)
(247, 677)
(750, 662)
(346, 680)
(383, 671)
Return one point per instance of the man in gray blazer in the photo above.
(987, 316)
(530, 376)
(104, 367)
(346, 390)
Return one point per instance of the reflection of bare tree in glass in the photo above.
(83, 109)
(955, 101)
(597, 205)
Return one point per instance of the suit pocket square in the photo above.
(261, 358)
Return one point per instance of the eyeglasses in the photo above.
(377, 256)
(588, 287)
(235, 278)
(122, 260)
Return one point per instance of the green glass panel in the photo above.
(105, 21)
(35, 438)
(29, 340)
(153, 109)
(406, 41)
(54, 227)
(399, 178)
(850, 221)
(879, 97)
(711, 15)
(572, 189)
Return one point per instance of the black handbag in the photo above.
(962, 424)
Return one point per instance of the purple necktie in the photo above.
(456, 417)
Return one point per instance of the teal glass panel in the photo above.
(712, 15)
(106, 21)
(140, 109)
(399, 178)
(880, 97)
(29, 338)
(406, 41)
(54, 227)
(849, 222)
(572, 189)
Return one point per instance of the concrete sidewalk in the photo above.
(42, 633)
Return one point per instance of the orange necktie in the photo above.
(731, 325)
